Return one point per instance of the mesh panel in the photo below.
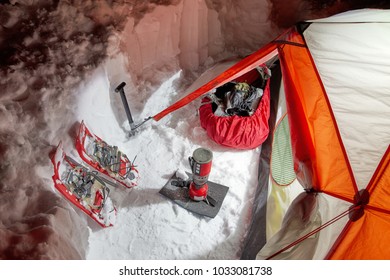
(282, 167)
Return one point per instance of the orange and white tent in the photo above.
(324, 180)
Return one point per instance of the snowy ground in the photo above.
(149, 226)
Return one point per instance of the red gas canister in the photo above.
(200, 163)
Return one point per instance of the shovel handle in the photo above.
(125, 104)
(120, 87)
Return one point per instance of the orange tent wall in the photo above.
(379, 185)
(319, 152)
(319, 156)
(369, 237)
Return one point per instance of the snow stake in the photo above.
(133, 126)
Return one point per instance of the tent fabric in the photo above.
(355, 74)
(367, 237)
(337, 96)
(320, 161)
(236, 131)
(357, 16)
(301, 218)
(336, 91)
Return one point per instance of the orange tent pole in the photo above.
(250, 62)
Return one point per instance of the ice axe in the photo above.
(133, 126)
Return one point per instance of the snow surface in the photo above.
(59, 65)
(148, 225)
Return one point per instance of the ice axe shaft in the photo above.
(125, 104)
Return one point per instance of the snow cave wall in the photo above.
(191, 35)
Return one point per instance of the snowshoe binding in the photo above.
(83, 187)
(105, 158)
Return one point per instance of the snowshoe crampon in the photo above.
(83, 188)
(105, 158)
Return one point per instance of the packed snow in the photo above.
(148, 225)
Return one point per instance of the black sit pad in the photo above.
(180, 196)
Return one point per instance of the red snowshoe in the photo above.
(108, 160)
(84, 188)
